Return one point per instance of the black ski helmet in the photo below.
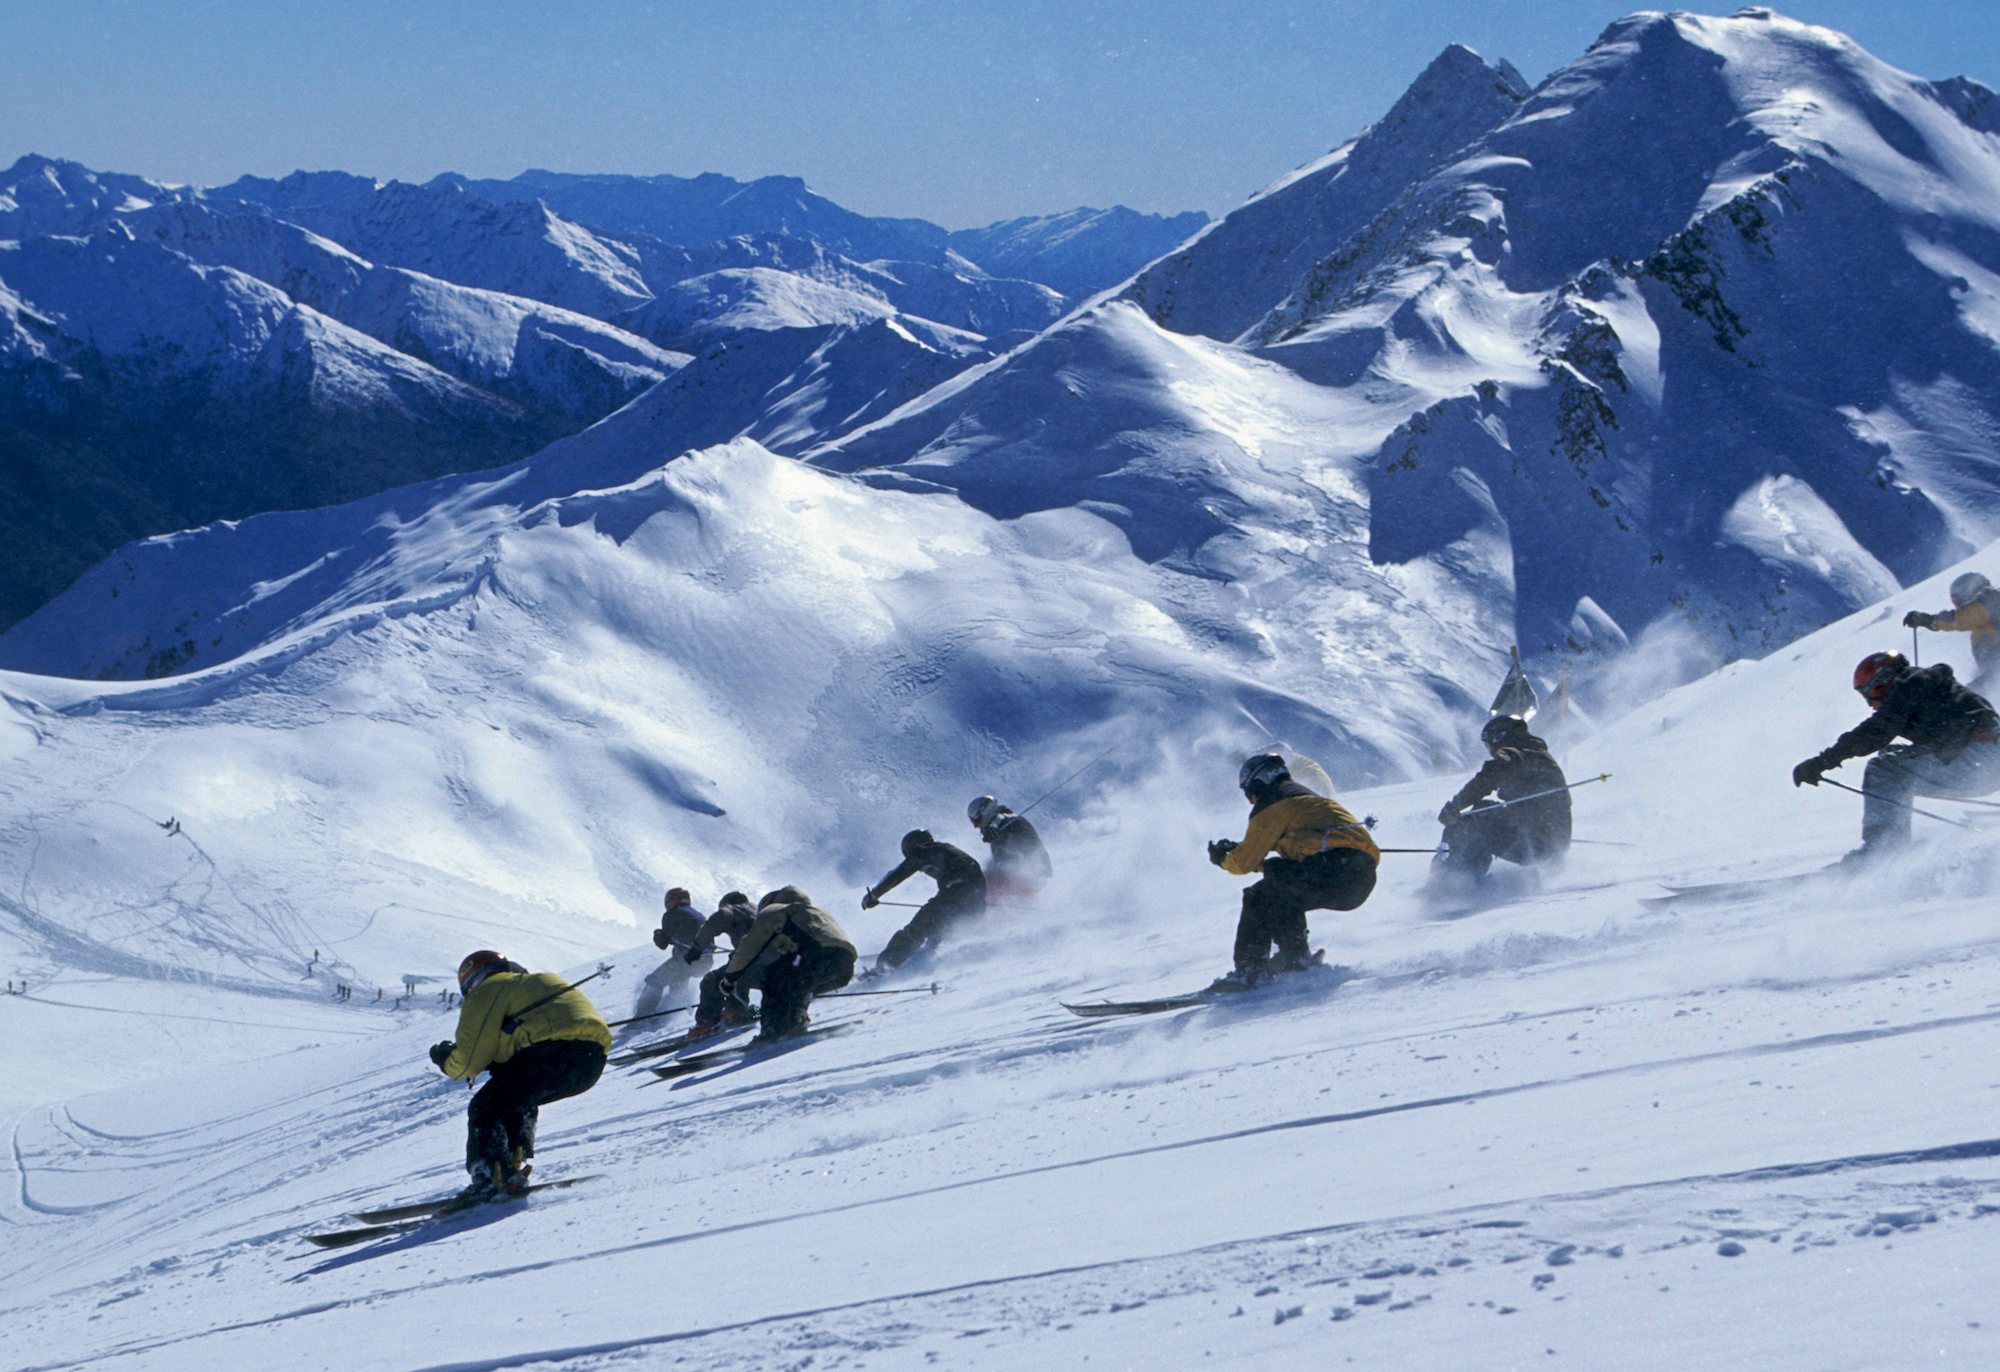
(1502, 730)
(917, 841)
(983, 810)
(1264, 769)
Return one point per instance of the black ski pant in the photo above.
(501, 1118)
(713, 1001)
(928, 926)
(1526, 834)
(1895, 775)
(1274, 909)
(790, 985)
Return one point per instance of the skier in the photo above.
(720, 1009)
(1313, 854)
(794, 951)
(1975, 610)
(1528, 831)
(678, 935)
(540, 1038)
(1952, 733)
(1020, 864)
(961, 894)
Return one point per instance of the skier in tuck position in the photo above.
(1313, 855)
(961, 895)
(1019, 867)
(793, 952)
(720, 1009)
(1953, 748)
(677, 936)
(1531, 822)
(1975, 610)
(540, 1038)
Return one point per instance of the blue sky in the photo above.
(953, 110)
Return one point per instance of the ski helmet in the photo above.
(916, 841)
(477, 967)
(682, 892)
(1876, 674)
(1967, 587)
(983, 810)
(1264, 769)
(735, 898)
(1501, 730)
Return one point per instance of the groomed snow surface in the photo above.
(1561, 1127)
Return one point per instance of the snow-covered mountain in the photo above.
(1698, 327)
(550, 324)
(1079, 252)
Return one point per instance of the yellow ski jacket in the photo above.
(480, 1044)
(1297, 826)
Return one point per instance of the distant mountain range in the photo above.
(170, 356)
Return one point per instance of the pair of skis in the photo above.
(401, 1219)
(1112, 1009)
(697, 1061)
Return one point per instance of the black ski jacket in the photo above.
(1524, 770)
(948, 866)
(1928, 707)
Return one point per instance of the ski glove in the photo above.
(660, 939)
(694, 953)
(1917, 619)
(1219, 849)
(870, 900)
(441, 1051)
(1449, 814)
(727, 985)
(1809, 772)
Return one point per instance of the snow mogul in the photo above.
(1975, 610)
(792, 952)
(1313, 855)
(1953, 748)
(1529, 820)
(540, 1039)
(677, 936)
(961, 895)
(1020, 866)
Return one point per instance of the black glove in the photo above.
(695, 953)
(1808, 773)
(441, 1051)
(1917, 619)
(660, 939)
(1219, 849)
(1449, 814)
(870, 900)
(727, 985)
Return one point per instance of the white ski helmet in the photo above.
(1968, 587)
(983, 810)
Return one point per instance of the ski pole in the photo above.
(1891, 800)
(510, 1023)
(636, 1019)
(1553, 790)
(911, 991)
(1068, 779)
(902, 904)
(1916, 657)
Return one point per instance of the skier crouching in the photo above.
(680, 926)
(1532, 822)
(719, 1009)
(1313, 854)
(1020, 866)
(961, 894)
(794, 951)
(540, 1038)
(1953, 749)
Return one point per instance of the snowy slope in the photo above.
(1564, 1127)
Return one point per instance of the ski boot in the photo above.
(1240, 979)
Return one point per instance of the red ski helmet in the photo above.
(1876, 674)
(477, 967)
